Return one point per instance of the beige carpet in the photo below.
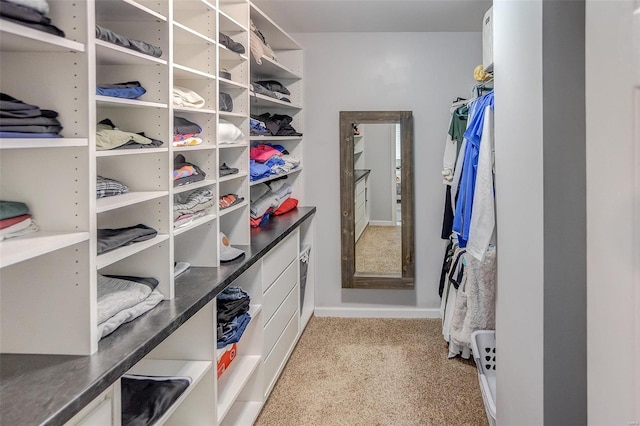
(379, 250)
(395, 372)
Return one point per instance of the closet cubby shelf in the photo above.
(126, 11)
(201, 147)
(197, 222)
(106, 259)
(242, 413)
(279, 175)
(230, 55)
(260, 100)
(227, 23)
(43, 143)
(16, 37)
(233, 145)
(228, 210)
(134, 151)
(192, 186)
(157, 367)
(231, 84)
(270, 69)
(232, 381)
(15, 250)
(233, 114)
(181, 72)
(278, 38)
(192, 110)
(184, 35)
(111, 102)
(128, 199)
(232, 177)
(275, 138)
(111, 54)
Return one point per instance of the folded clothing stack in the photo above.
(267, 199)
(29, 13)
(109, 36)
(124, 298)
(184, 97)
(268, 159)
(108, 136)
(275, 125)
(22, 120)
(230, 43)
(127, 90)
(189, 206)
(145, 399)
(186, 132)
(225, 170)
(232, 314)
(225, 103)
(15, 220)
(185, 173)
(106, 187)
(111, 239)
(229, 133)
(229, 200)
(259, 45)
(271, 88)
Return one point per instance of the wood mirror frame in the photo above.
(347, 184)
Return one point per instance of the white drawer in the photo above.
(359, 213)
(359, 228)
(273, 329)
(274, 363)
(360, 186)
(276, 294)
(278, 259)
(102, 415)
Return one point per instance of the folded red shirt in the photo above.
(288, 205)
(5, 223)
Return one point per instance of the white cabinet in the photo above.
(360, 212)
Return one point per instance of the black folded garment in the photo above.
(225, 102)
(28, 17)
(274, 86)
(109, 36)
(145, 399)
(182, 126)
(111, 239)
(278, 124)
(31, 129)
(233, 45)
(229, 309)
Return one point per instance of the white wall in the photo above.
(379, 157)
(421, 72)
(610, 216)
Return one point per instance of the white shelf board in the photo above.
(154, 367)
(272, 69)
(183, 35)
(112, 102)
(240, 375)
(272, 177)
(43, 143)
(275, 138)
(232, 177)
(15, 250)
(228, 24)
(233, 145)
(254, 310)
(227, 54)
(231, 84)
(228, 210)
(356, 152)
(277, 37)
(197, 222)
(181, 72)
(192, 109)
(200, 6)
(132, 151)
(194, 185)
(233, 114)
(202, 147)
(106, 259)
(242, 413)
(125, 11)
(128, 199)
(258, 99)
(18, 38)
(111, 54)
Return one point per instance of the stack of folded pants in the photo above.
(232, 314)
(189, 206)
(22, 120)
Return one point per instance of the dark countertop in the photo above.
(360, 174)
(50, 389)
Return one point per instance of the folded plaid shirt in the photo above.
(106, 187)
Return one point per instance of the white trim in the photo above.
(395, 312)
(381, 223)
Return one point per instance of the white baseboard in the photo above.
(381, 223)
(396, 312)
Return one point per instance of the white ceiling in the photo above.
(312, 16)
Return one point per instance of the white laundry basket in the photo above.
(484, 353)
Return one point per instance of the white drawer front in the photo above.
(359, 213)
(275, 361)
(278, 259)
(360, 185)
(276, 294)
(101, 416)
(273, 329)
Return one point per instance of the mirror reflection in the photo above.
(377, 199)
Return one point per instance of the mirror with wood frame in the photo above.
(376, 199)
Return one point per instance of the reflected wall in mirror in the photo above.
(376, 185)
